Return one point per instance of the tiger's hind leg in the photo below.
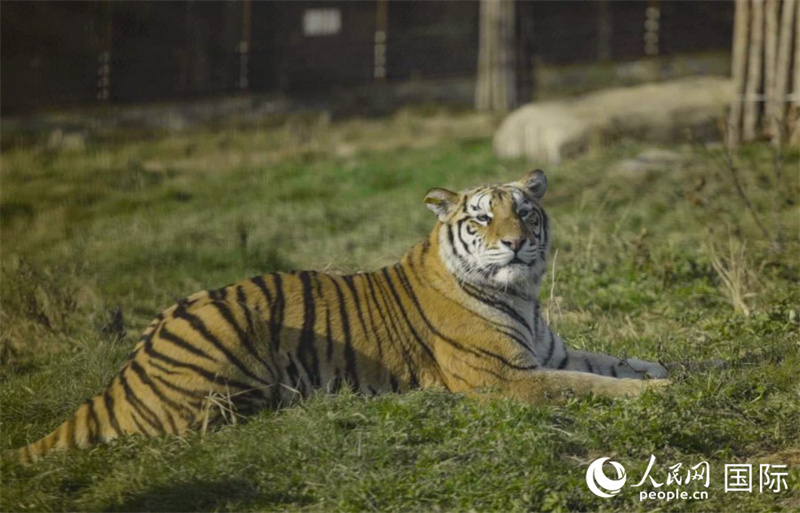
(211, 359)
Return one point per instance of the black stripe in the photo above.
(167, 335)
(197, 323)
(139, 407)
(462, 379)
(196, 394)
(348, 280)
(145, 379)
(162, 368)
(171, 420)
(460, 225)
(450, 238)
(371, 304)
(139, 425)
(614, 371)
(207, 375)
(112, 415)
(399, 338)
(92, 423)
(399, 305)
(71, 425)
(241, 298)
(306, 350)
(588, 365)
(494, 303)
(259, 282)
(426, 245)
(351, 367)
(276, 312)
(245, 338)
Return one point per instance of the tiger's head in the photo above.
(494, 235)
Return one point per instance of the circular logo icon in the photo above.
(601, 485)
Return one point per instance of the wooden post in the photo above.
(495, 90)
(751, 103)
(651, 28)
(769, 125)
(738, 69)
(783, 61)
(604, 29)
(244, 45)
(379, 49)
(104, 57)
(794, 139)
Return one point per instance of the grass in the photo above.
(655, 262)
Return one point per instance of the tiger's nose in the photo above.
(514, 244)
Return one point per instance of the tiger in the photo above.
(459, 311)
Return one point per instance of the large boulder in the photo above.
(549, 131)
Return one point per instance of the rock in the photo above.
(662, 112)
(649, 160)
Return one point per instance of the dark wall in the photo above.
(48, 54)
(432, 39)
(165, 50)
(284, 58)
(51, 50)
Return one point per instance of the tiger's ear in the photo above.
(536, 183)
(440, 201)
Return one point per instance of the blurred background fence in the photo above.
(62, 53)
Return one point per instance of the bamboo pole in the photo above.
(751, 103)
(738, 69)
(783, 61)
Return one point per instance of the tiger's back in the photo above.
(259, 343)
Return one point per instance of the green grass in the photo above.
(135, 225)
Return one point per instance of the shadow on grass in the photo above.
(209, 495)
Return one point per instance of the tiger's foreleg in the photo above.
(556, 386)
(607, 365)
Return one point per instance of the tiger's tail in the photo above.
(95, 421)
(119, 410)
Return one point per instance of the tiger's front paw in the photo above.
(640, 386)
(651, 370)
